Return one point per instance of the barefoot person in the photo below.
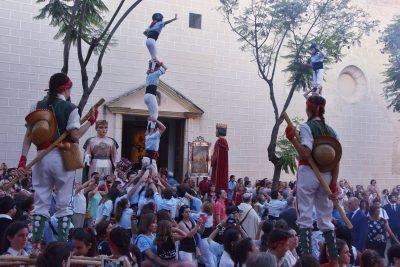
(50, 118)
(318, 140)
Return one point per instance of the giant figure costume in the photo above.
(219, 161)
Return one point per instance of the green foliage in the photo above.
(286, 152)
(391, 40)
(85, 15)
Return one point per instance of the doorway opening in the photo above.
(171, 144)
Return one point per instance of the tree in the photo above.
(81, 23)
(282, 30)
(391, 40)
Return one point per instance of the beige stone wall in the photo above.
(206, 66)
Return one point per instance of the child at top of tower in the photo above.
(316, 62)
(152, 33)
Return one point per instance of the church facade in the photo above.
(208, 81)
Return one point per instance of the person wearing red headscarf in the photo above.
(50, 118)
(309, 192)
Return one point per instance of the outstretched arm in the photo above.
(171, 20)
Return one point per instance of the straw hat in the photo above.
(43, 126)
(326, 153)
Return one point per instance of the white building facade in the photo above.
(209, 80)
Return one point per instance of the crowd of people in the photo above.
(142, 219)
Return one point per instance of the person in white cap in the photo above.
(248, 217)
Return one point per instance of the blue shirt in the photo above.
(157, 27)
(275, 207)
(144, 242)
(153, 141)
(154, 77)
(125, 221)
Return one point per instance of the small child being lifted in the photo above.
(316, 62)
(152, 33)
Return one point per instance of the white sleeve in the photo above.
(161, 71)
(306, 137)
(74, 120)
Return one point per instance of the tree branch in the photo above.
(67, 40)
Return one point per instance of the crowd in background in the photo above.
(147, 219)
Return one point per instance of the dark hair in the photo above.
(267, 228)
(23, 204)
(276, 236)
(323, 257)
(261, 259)
(121, 239)
(54, 255)
(393, 252)
(231, 236)
(180, 191)
(246, 183)
(164, 233)
(370, 258)
(119, 209)
(317, 110)
(88, 237)
(274, 194)
(373, 209)
(145, 221)
(242, 247)
(307, 260)
(11, 230)
(344, 233)
(149, 193)
(55, 82)
(167, 193)
(148, 208)
(282, 225)
(163, 215)
(101, 229)
(373, 180)
(181, 211)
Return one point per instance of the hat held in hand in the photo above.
(43, 125)
(327, 152)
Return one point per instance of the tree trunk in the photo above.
(272, 153)
(84, 100)
(67, 40)
(277, 175)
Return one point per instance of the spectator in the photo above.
(344, 255)
(102, 230)
(219, 207)
(259, 206)
(123, 214)
(121, 248)
(231, 237)
(378, 228)
(382, 212)
(261, 259)
(393, 211)
(231, 187)
(15, 239)
(188, 249)
(385, 197)
(393, 255)
(344, 233)
(7, 212)
(372, 188)
(204, 185)
(165, 240)
(291, 256)
(84, 242)
(266, 227)
(278, 244)
(359, 220)
(166, 201)
(290, 213)
(275, 206)
(79, 204)
(249, 218)
(208, 218)
(364, 206)
(371, 258)
(211, 194)
(56, 254)
(307, 260)
(148, 198)
(243, 250)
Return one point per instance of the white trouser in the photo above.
(151, 45)
(309, 194)
(317, 77)
(151, 102)
(49, 173)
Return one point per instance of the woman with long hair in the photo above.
(145, 240)
(105, 208)
(121, 248)
(266, 227)
(343, 251)
(231, 237)
(188, 248)
(291, 256)
(123, 214)
(84, 242)
(371, 258)
(165, 240)
(15, 239)
(102, 230)
(243, 250)
(56, 254)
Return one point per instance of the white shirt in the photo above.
(105, 209)
(125, 221)
(306, 136)
(12, 252)
(226, 260)
(79, 202)
(5, 216)
(166, 204)
(290, 259)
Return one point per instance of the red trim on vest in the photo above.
(304, 162)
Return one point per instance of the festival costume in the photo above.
(317, 64)
(101, 155)
(219, 162)
(309, 191)
(152, 33)
(152, 145)
(150, 97)
(50, 172)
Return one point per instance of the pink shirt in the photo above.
(219, 211)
